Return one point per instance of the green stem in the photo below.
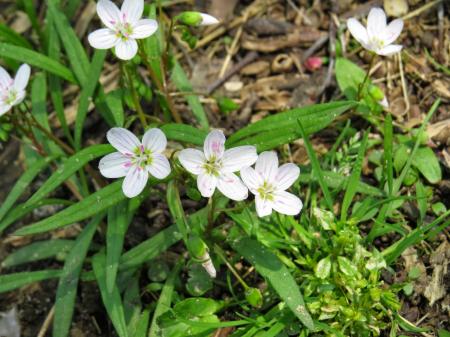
(361, 86)
(221, 254)
(134, 96)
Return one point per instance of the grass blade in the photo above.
(68, 282)
(38, 251)
(111, 300)
(37, 60)
(353, 181)
(10, 36)
(184, 133)
(22, 184)
(13, 281)
(118, 221)
(269, 266)
(316, 168)
(164, 301)
(388, 159)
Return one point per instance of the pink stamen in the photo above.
(142, 148)
(129, 164)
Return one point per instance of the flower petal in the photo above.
(126, 50)
(287, 203)
(134, 182)
(192, 160)
(263, 206)
(160, 167)
(252, 179)
(267, 165)
(206, 184)
(239, 157)
(22, 77)
(155, 140)
(104, 38)
(144, 28)
(108, 13)
(4, 108)
(384, 103)
(214, 145)
(232, 187)
(392, 31)
(20, 96)
(376, 22)
(287, 174)
(114, 165)
(132, 10)
(358, 31)
(390, 50)
(5, 79)
(123, 140)
(208, 20)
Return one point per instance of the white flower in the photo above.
(378, 36)
(124, 26)
(12, 91)
(135, 160)
(269, 183)
(208, 20)
(384, 103)
(215, 166)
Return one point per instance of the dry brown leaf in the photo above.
(256, 68)
(439, 259)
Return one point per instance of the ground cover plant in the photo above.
(231, 168)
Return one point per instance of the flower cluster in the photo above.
(214, 167)
(125, 25)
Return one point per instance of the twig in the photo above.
(249, 58)
(420, 10)
(403, 80)
(47, 322)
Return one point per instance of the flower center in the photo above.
(141, 158)
(212, 166)
(10, 97)
(377, 43)
(266, 191)
(123, 30)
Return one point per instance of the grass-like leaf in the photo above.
(184, 133)
(37, 251)
(118, 221)
(353, 181)
(269, 266)
(111, 300)
(316, 167)
(93, 204)
(9, 35)
(13, 281)
(388, 152)
(68, 282)
(22, 184)
(69, 168)
(37, 60)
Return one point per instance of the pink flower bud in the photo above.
(313, 63)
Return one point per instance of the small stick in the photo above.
(249, 58)
(47, 322)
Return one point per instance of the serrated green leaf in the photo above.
(269, 266)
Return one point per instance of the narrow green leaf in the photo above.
(37, 251)
(142, 324)
(150, 248)
(36, 59)
(176, 209)
(68, 282)
(164, 301)
(114, 102)
(111, 300)
(184, 133)
(8, 35)
(86, 97)
(313, 119)
(22, 184)
(270, 267)
(118, 221)
(316, 167)
(75, 51)
(182, 83)
(354, 178)
(93, 204)
(388, 152)
(13, 281)
(68, 168)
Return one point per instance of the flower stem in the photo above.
(134, 96)
(221, 254)
(361, 86)
(211, 209)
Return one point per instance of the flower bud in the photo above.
(376, 93)
(313, 63)
(254, 297)
(208, 265)
(195, 19)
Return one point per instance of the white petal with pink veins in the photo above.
(123, 140)
(134, 182)
(214, 145)
(206, 184)
(108, 13)
(232, 187)
(192, 160)
(114, 165)
(287, 203)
